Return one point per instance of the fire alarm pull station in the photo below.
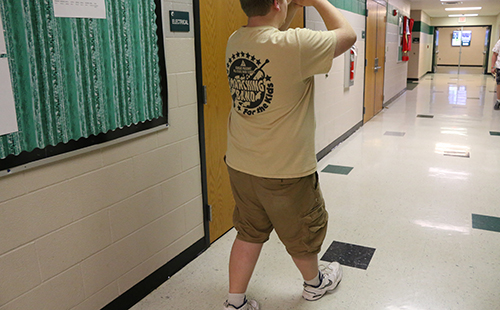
(351, 58)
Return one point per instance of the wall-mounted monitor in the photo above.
(461, 38)
(456, 39)
(466, 37)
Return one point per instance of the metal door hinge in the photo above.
(204, 94)
(209, 213)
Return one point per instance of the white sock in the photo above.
(314, 282)
(236, 300)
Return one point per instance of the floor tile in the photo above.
(457, 154)
(486, 222)
(394, 133)
(337, 169)
(349, 255)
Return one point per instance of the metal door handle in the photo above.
(377, 68)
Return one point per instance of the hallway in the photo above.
(423, 193)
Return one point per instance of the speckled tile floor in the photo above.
(405, 199)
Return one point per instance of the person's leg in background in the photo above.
(497, 104)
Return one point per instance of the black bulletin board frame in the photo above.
(13, 163)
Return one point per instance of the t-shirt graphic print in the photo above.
(251, 88)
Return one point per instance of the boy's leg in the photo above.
(244, 256)
(308, 266)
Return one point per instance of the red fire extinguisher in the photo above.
(407, 29)
(351, 74)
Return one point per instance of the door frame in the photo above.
(385, 5)
(489, 30)
(435, 40)
(490, 27)
(200, 95)
(201, 101)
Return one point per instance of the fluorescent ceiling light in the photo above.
(464, 9)
(463, 15)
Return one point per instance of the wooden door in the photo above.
(218, 20)
(375, 59)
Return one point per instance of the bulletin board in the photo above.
(80, 73)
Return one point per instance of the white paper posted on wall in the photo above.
(80, 8)
(3, 49)
(8, 119)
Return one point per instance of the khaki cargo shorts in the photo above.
(293, 207)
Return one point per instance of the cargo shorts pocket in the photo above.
(315, 225)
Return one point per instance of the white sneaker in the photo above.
(330, 279)
(248, 305)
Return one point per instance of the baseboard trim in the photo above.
(157, 278)
(337, 141)
(395, 97)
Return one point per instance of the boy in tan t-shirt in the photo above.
(270, 154)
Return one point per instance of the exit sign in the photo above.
(179, 21)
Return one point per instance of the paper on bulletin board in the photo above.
(3, 49)
(80, 8)
(8, 118)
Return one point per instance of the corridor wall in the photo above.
(338, 110)
(77, 233)
(495, 32)
(421, 52)
(396, 71)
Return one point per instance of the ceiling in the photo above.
(434, 8)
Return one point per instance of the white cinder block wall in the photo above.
(425, 47)
(77, 233)
(496, 30)
(338, 109)
(421, 53)
(396, 72)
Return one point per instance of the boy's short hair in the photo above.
(256, 7)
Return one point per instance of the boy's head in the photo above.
(256, 7)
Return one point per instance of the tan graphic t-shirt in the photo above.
(271, 124)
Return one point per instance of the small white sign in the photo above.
(80, 8)
(8, 118)
(3, 49)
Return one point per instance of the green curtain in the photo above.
(75, 77)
